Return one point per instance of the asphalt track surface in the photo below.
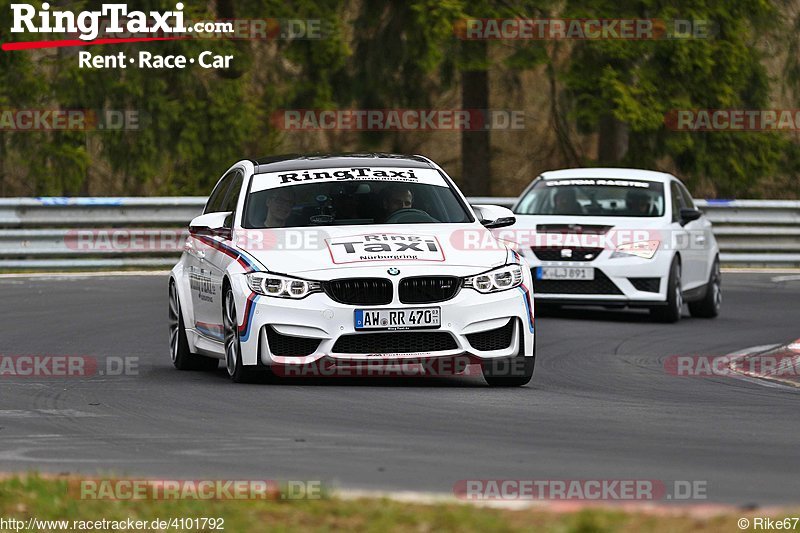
(601, 405)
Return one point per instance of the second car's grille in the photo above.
(494, 339)
(395, 342)
(289, 345)
(601, 284)
(428, 289)
(646, 284)
(566, 253)
(359, 291)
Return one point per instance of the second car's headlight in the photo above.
(281, 286)
(643, 249)
(496, 280)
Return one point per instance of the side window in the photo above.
(232, 198)
(217, 199)
(687, 198)
(677, 201)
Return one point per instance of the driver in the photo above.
(638, 203)
(565, 202)
(279, 206)
(397, 197)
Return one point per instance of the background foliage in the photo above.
(586, 102)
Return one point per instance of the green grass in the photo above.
(22, 497)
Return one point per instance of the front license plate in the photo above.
(566, 273)
(410, 318)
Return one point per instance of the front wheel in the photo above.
(182, 357)
(514, 371)
(672, 311)
(233, 348)
(709, 306)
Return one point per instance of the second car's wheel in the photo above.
(672, 311)
(233, 348)
(514, 371)
(709, 306)
(182, 357)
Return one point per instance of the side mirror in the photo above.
(688, 215)
(212, 224)
(494, 216)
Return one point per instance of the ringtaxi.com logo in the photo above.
(87, 24)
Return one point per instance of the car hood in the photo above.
(315, 252)
(537, 231)
(534, 222)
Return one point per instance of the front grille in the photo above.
(428, 289)
(577, 229)
(646, 284)
(289, 345)
(494, 339)
(359, 291)
(600, 285)
(395, 342)
(574, 254)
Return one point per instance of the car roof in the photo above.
(331, 160)
(608, 173)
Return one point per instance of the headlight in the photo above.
(499, 279)
(281, 286)
(643, 249)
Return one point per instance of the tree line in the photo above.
(586, 102)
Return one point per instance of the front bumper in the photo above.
(318, 318)
(623, 281)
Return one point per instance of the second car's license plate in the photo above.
(566, 273)
(410, 318)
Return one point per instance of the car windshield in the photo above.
(594, 197)
(357, 196)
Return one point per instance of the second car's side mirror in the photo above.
(688, 215)
(211, 224)
(494, 216)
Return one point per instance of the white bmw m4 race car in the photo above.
(618, 237)
(347, 259)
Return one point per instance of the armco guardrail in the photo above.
(87, 233)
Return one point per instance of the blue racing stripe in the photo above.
(526, 297)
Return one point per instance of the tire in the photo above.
(671, 312)
(514, 371)
(709, 306)
(233, 348)
(182, 357)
